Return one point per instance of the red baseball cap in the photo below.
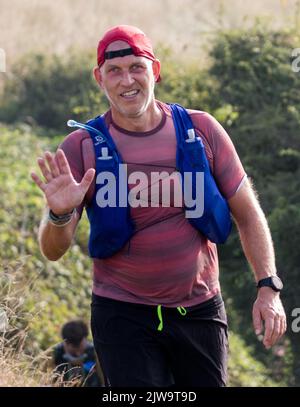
(139, 43)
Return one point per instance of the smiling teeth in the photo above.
(130, 93)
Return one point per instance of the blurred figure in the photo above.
(75, 356)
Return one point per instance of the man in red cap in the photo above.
(158, 318)
(136, 101)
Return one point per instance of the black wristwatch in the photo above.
(273, 282)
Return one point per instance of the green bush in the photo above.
(243, 369)
(62, 289)
(256, 83)
(47, 90)
(255, 78)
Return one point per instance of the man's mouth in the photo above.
(130, 94)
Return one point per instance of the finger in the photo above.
(282, 330)
(45, 171)
(62, 162)
(87, 179)
(283, 324)
(52, 164)
(257, 322)
(38, 181)
(276, 330)
(269, 326)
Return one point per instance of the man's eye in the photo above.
(137, 67)
(114, 69)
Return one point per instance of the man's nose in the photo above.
(127, 79)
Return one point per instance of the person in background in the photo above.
(74, 358)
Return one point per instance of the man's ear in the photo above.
(98, 76)
(156, 69)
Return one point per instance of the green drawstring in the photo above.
(160, 326)
(181, 310)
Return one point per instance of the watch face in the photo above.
(277, 283)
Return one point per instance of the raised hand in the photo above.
(61, 190)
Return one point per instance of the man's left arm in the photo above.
(258, 248)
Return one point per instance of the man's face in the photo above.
(128, 82)
(75, 350)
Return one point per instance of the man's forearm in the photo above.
(268, 312)
(54, 241)
(257, 243)
(254, 231)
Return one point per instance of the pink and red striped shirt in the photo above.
(167, 261)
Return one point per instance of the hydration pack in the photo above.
(111, 226)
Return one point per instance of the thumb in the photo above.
(257, 322)
(87, 179)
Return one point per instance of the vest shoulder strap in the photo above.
(186, 138)
(183, 123)
(103, 142)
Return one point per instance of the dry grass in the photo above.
(19, 365)
(57, 25)
(20, 370)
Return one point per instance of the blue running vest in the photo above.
(112, 227)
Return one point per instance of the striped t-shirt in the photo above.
(167, 261)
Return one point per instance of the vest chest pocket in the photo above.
(195, 155)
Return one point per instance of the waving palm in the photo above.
(61, 190)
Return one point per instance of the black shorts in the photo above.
(190, 350)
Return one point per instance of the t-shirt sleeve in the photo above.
(58, 354)
(72, 147)
(225, 163)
